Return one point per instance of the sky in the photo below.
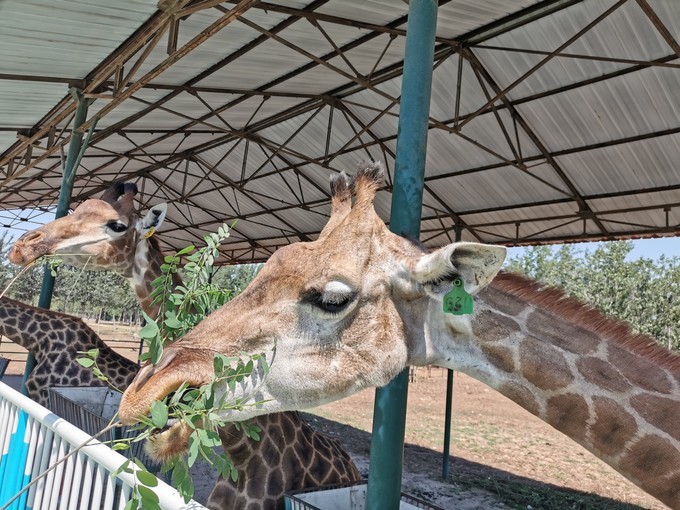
(643, 248)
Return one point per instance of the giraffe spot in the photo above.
(288, 429)
(490, 326)
(270, 453)
(32, 328)
(543, 366)
(501, 301)
(275, 483)
(602, 374)
(500, 357)
(560, 333)
(613, 427)
(640, 371)
(661, 412)
(521, 395)
(3, 313)
(24, 321)
(568, 414)
(654, 461)
(305, 450)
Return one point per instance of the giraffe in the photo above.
(355, 307)
(55, 340)
(109, 234)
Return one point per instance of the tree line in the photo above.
(97, 295)
(643, 292)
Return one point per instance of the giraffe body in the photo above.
(109, 234)
(55, 340)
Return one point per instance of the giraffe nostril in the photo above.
(31, 238)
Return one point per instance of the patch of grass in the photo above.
(527, 496)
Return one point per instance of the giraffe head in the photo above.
(336, 315)
(101, 234)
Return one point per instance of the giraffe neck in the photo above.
(614, 392)
(146, 267)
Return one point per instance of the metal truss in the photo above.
(261, 179)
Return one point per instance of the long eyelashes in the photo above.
(116, 226)
(330, 304)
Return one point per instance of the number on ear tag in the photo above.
(150, 232)
(458, 301)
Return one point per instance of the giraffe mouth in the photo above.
(170, 442)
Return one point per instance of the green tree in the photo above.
(642, 292)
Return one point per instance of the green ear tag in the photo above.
(458, 301)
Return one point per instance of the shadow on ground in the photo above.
(470, 485)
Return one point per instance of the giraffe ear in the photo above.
(154, 217)
(475, 263)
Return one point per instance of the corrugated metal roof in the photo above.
(580, 144)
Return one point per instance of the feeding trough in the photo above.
(345, 497)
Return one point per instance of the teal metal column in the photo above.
(75, 153)
(389, 412)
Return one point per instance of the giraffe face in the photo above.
(333, 316)
(100, 234)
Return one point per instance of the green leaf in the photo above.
(118, 447)
(159, 414)
(146, 478)
(149, 498)
(85, 362)
(179, 473)
(93, 353)
(186, 489)
(131, 505)
(194, 444)
(186, 250)
(124, 467)
(150, 329)
(172, 322)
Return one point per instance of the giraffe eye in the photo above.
(334, 299)
(116, 226)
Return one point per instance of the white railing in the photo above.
(32, 439)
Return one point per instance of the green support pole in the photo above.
(389, 412)
(449, 404)
(75, 152)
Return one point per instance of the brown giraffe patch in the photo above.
(568, 414)
(661, 412)
(501, 301)
(602, 374)
(500, 357)
(652, 460)
(523, 396)
(543, 366)
(490, 326)
(641, 372)
(613, 427)
(568, 336)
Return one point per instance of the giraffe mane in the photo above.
(559, 303)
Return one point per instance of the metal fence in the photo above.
(32, 439)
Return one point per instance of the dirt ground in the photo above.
(498, 450)
(502, 456)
